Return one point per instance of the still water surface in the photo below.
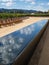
(13, 44)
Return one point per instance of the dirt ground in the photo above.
(6, 30)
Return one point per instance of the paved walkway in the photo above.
(41, 54)
(7, 30)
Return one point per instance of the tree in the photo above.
(48, 11)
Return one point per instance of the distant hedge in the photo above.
(12, 15)
(40, 15)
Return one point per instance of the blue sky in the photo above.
(42, 5)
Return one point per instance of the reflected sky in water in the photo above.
(13, 44)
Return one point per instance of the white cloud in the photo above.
(21, 0)
(33, 3)
(48, 3)
(42, 4)
(18, 46)
(7, 2)
(21, 40)
(27, 30)
(39, 8)
(28, 0)
(4, 0)
(40, 24)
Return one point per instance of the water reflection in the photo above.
(27, 30)
(11, 45)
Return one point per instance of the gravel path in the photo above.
(41, 54)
